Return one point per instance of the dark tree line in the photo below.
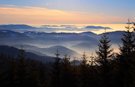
(108, 69)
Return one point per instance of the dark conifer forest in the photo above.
(107, 69)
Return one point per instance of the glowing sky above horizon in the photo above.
(66, 11)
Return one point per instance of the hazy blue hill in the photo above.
(11, 34)
(48, 51)
(16, 26)
(88, 33)
(115, 37)
(8, 37)
(11, 51)
(30, 48)
(55, 37)
(62, 50)
(61, 36)
(97, 27)
(86, 45)
(43, 43)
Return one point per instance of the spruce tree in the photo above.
(66, 74)
(127, 60)
(104, 50)
(22, 69)
(56, 72)
(84, 72)
(104, 55)
(128, 41)
(13, 73)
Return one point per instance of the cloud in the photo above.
(59, 26)
(38, 15)
(34, 15)
(97, 27)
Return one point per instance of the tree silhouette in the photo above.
(126, 57)
(128, 41)
(56, 72)
(66, 73)
(104, 51)
(84, 72)
(105, 70)
(104, 54)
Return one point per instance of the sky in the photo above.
(66, 11)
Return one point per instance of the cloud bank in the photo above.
(97, 27)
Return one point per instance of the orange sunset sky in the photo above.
(66, 11)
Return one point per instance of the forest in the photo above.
(106, 69)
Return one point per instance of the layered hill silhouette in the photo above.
(14, 52)
(77, 42)
(16, 26)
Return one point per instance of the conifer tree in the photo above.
(92, 60)
(43, 75)
(104, 54)
(127, 60)
(128, 41)
(66, 72)
(67, 76)
(84, 60)
(104, 51)
(22, 69)
(84, 72)
(13, 73)
(56, 72)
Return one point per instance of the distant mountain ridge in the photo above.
(97, 27)
(13, 52)
(115, 36)
(62, 51)
(50, 51)
(16, 26)
(47, 43)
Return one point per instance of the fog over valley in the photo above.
(45, 40)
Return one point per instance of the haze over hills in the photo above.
(16, 26)
(14, 52)
(115, 36)
(97, 27)
(44, 43)
(50, 51)
(53, 28)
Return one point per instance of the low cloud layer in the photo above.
(97, 27)
(54, 28)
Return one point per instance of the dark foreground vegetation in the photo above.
(108, 69)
